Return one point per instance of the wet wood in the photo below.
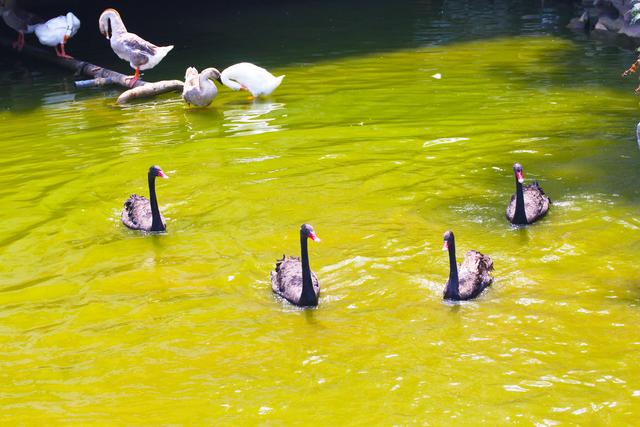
(83, 84)
(150, 89)
(100, 76)
(78, 66)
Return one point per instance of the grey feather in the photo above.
(474, 274)
(536, 203)
(136, 213)
(286, 279)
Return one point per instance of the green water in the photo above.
(103, 325)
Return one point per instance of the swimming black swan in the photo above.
(141, 214)
(292, 279)
(529, 204)
(473, 276)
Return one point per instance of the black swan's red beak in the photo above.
(313, 236)
(445, 246)
(162, 175)
(520, 176)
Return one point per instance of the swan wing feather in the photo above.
(511, 208)
(536, 202)
(474, 274)
(136, 213)
(286, 279)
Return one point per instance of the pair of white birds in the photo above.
(199, 88)
(55, 32)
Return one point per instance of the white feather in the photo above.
(53, 32)
(249, 76)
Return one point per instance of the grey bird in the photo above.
(198, 88)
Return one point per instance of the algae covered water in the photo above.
(103, 325)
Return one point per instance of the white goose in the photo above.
(57, 31)
(250, 77)
(141, 54)
(198, 89)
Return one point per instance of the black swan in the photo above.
(529, 204)
(474, 274)
(141, 214)
(293, 279)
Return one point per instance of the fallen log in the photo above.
(78, 66)
(101, 76)
(150, 89)
(99, 81)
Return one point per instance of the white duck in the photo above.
(57, 31)
(141, 54)
(250, 77)
(198, 89)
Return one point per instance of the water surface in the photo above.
(103, 325)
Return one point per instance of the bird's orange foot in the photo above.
(18, 45)
(631, 69)
(61, 53)
(131, 81)
(134, 78)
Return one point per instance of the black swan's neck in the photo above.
(156, 223)
(452, 292)
(308, 296)
(519, 216)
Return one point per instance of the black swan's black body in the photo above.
(293, 279)
(142, 214)
(529, 203)
(471, 278)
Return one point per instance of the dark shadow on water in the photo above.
(211, 112)
(283, 33)
(310, 315)
(522, 233)
(454, 306)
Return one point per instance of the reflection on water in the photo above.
(255, 118)
(202, 123)
(150, 123)
(57, 98)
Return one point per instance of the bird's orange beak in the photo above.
(66, 38)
